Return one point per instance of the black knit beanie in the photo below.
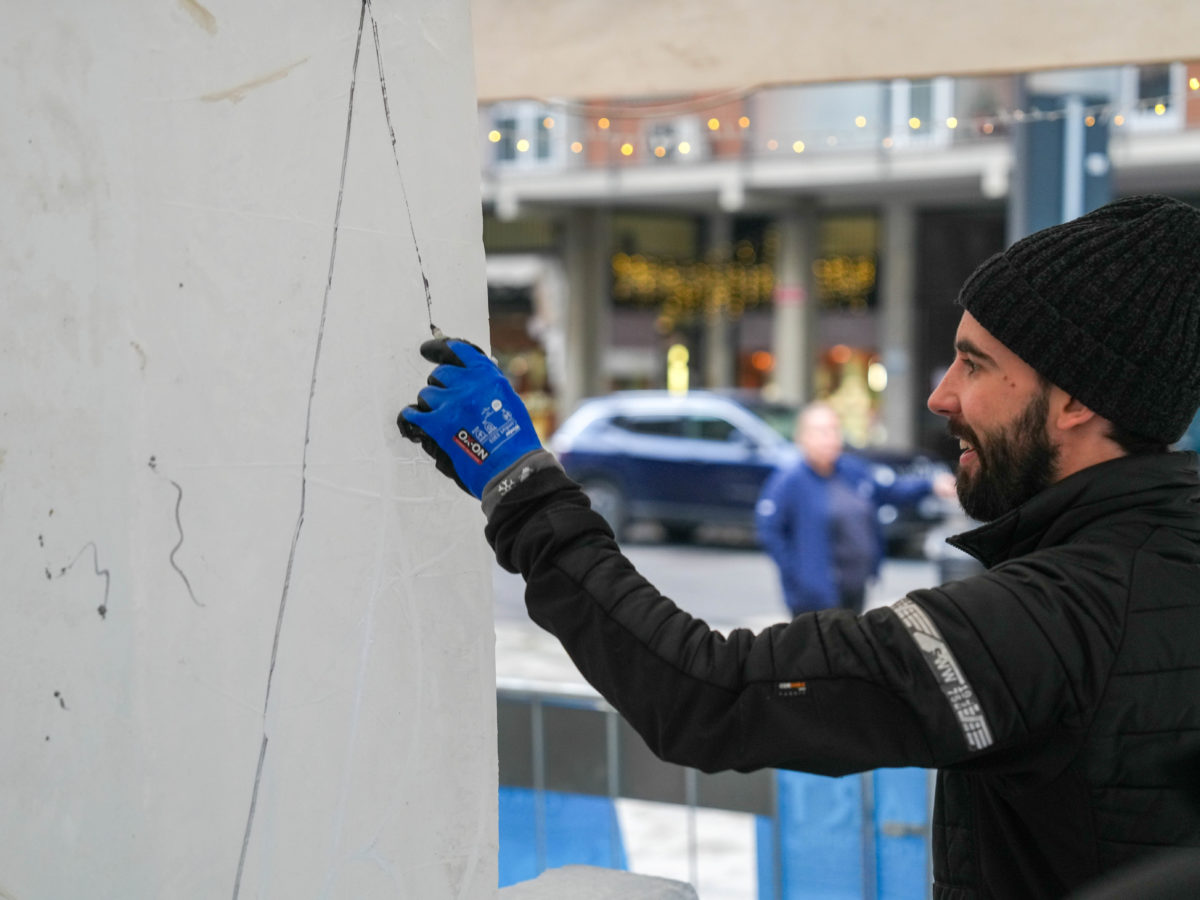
(1107, 307)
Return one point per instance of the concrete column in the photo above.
(587, 256)
(794, 340)
(897, 316)
(719, 357)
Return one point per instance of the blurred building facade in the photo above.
(800, 241)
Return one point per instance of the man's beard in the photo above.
(1013, 463)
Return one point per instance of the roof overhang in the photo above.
(583, 49)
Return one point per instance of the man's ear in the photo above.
(1067, 412)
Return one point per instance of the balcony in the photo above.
(940, 140)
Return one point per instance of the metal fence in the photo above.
(565, 740)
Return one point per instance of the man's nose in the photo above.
(943, 401)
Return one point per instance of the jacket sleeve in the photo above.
(772, 516)
(1036, 638)
(828, 692)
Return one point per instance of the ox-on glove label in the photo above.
(468, 417)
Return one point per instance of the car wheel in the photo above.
(606, 498)
(679, 532)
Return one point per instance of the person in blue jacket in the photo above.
(819, 517)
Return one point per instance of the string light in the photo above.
(1116, 115)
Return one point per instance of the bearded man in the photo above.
(1057, 693)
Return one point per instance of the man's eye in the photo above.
(970, 364)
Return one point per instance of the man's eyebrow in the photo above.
(964, 345)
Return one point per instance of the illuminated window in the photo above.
(916, 104)
(506, 146)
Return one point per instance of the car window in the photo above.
(711, 428)
(666, 426)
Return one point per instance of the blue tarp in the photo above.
(820, 838)
(578, 830)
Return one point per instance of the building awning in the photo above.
(646, 48)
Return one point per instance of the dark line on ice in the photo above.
(175, 549)
(100, 573)
(312, 389)
(262, 753)
(387, 115)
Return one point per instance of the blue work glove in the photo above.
(468, 418)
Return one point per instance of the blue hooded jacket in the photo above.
(793, 522)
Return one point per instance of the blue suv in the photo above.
(701, 459)
(682, 460)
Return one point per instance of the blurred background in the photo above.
(695, 226)
(802, 241)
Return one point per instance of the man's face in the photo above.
(998, 408)
(820, 437)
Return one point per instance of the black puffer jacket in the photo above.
(1058, 693)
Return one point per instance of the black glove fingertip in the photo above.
(437, 350)
(407, 428)
(443, 464)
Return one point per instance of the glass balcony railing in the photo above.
(802, 121)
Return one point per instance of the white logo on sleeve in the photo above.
(947, 671)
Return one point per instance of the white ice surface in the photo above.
(590, 883)
(245, 636)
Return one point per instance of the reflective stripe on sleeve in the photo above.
(947, 672)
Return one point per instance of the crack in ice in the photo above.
(262, 755)
(387, 115)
